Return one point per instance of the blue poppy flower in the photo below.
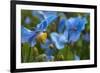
(60, 39)
(30, 36)
(74, 27)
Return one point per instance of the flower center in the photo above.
(74, 28)
(41, 37)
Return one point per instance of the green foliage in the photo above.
(66, 53)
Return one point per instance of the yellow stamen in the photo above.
(41, 37)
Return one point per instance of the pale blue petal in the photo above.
(58, 40)
(66, 34)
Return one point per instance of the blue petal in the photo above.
(46, 44)
(46, 47)
(58, 40)
(50, 19)
(45, 23)
(80, 23)
(84, 22)
(70, 23)
(61, 25)
(28, 36)
(27, 20)
(25, 34)
(76, 22)
(38, 14)
(65, 33)
(74, 36)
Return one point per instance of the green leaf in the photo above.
(25, 50)
(33, 54)
(67, 53)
